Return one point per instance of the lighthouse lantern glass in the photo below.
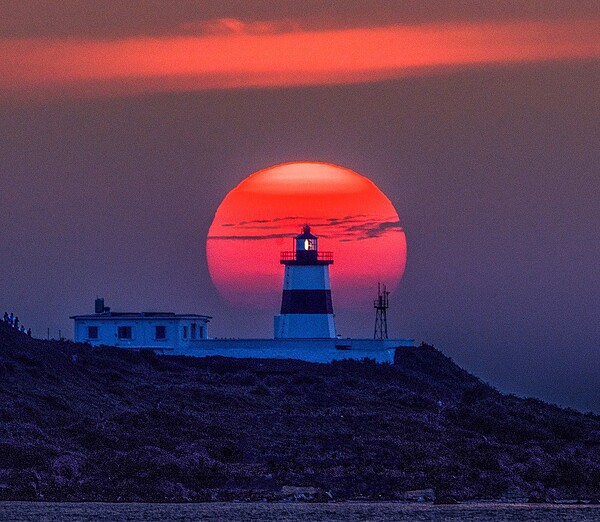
(306, 243)
(310, 244)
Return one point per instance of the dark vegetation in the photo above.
(78, 423)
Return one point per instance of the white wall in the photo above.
(143, 332)
(306, 277)
(312, 350)
(304, 326)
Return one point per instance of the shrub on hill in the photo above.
(78, 423)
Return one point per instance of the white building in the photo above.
(157, 330)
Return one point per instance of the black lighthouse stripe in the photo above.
(306, 302)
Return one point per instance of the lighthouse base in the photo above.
(311, 350)
(304, 326)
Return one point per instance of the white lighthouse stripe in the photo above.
(305, 326)
(306, 277)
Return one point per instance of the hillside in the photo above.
(78, 423)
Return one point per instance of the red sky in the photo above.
(230, 52)
(484, 137)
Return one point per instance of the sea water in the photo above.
(295, 512)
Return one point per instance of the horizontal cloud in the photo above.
(373, 229)
(246, 57)
(263, 221)
(110, 19)
(260, 237)
(230, 26)
(347, 228)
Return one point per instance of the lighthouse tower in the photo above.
(306, 306)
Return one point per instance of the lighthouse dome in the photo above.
(306, 233)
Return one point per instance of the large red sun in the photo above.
(260, 217)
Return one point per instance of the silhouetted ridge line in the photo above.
(107, 424)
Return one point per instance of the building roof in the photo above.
(141, 315)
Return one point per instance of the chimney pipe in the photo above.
(99, 305)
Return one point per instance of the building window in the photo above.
(194, 333)
(201, 332)
(160, 332)
(124, 332)
(185, 332)
(92, 332)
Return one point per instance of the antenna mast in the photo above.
(381, 304)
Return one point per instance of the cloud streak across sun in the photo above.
(229, 53)
(349, 228)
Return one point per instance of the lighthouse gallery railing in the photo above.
(290, 255)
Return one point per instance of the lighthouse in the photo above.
(306, 306)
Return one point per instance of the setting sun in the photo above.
(260, 217)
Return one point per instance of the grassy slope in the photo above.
(105, 424)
